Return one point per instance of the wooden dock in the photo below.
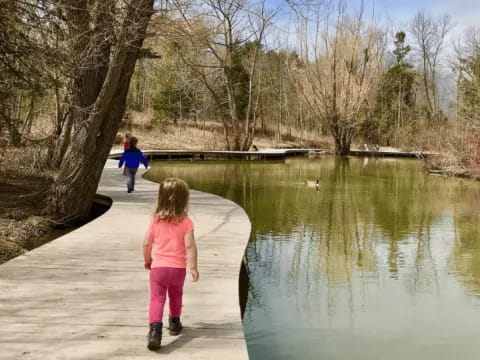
(398, 154)
(85, 295)
(271, 154)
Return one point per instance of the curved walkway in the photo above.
(85, 294)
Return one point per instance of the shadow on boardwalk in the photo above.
(201, 330)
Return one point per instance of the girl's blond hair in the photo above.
(172, 200)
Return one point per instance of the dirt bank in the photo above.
(24, 222)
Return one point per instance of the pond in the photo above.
(382, 261)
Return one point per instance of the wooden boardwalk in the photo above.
(398, 154)
(85, 294)
(270, 154)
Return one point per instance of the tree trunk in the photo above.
(341, 133)
(262, 118)
(234, 119)
(342, 146)
(427, 92)
(15, 136)
(27, 124)
(13, 123)
(62, 142)
(82, 166)
(89, 77)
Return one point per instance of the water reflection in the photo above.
(382, 262)
(466, 258)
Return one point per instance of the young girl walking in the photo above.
(168, 246)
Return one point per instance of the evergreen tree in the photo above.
(395, 102)
(401, 51)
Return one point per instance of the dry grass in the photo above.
(24, 161)
(459, 151)
(209, 135)
(24, 194)
(178, 137)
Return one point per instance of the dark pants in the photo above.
(131, 178)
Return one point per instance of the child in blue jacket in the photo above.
(132, 158)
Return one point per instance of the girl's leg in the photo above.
(175, 291)
(158, 289)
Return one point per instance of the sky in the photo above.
(396, 14)
(464, 13)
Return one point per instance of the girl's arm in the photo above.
(147, 249)
(191, 255)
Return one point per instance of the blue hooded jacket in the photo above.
(132, 158)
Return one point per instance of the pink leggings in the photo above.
(163, 280)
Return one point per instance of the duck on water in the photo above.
(313, 184)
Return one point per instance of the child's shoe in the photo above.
(174, 325)
(155, 336)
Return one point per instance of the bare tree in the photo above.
(430, 35)
(105, 48)
(343, 55)
(221, 40)
(26, 57)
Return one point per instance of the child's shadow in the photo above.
(200, 330)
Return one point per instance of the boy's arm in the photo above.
(147, 249)
(191, 254)
(144, 160)
(121, 160)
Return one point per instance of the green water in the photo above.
(382, 262)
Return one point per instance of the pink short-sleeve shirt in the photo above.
(168, 248)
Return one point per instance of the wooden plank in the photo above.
(399, 154)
